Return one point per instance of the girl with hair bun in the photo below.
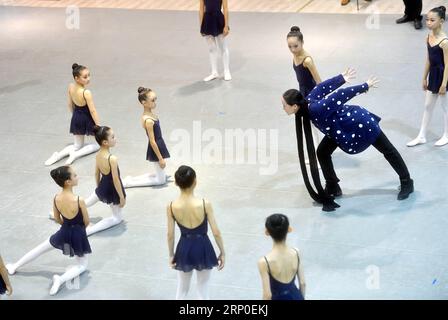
(279, 268)
(84, 117)
(304, 67)
(215, 27)
(109, 189)
(194, 250)
(70, 212)
(350, 127)
(435, 76)
(157, 151)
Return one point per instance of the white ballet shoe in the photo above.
(227, 76)
(70, 159)
(416, 141)
(442, 141)
(11, 268)
(56, 285)
(211, 77)
(54, 158)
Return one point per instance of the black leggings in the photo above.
(413, 9)
(382, 144)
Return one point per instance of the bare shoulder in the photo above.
(444, 44)
(308, 61)
(87, 93)
(113, 160)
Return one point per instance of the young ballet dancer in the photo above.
(71, 213)
(435, 77)
(194, 250)
(304, 67)
(215, 27)
(5, 285)
(109, 186)
(84, 117)
(157, 151)
(279, 268)
(349, 127)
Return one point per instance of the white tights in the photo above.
(105, 223)
(216, 46)
(184, 280)
(73, 151)
(71, 273)
(430, 103)
(147, 180)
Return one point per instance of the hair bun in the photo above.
(74, 66)
(443, 8)
(96, 129)
(295, 29)
(141, 89)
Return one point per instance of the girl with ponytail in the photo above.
(349, 127)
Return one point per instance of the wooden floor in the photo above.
(308, 6)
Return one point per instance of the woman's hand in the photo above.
(425, 84)
(171, 262)
(226, 31)
(372, 82)
(9, 290)
(122, 202)
(221, 261)
(442, 90)
(162, 163)
(349, 74)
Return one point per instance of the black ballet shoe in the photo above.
(333, 189)
(406, 188)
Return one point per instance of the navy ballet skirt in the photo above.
(71, 237)
(106, 191)
(194, 249)
(2, 286)
(150, 154)
(436, 67)
(82, 122)
(213, 21)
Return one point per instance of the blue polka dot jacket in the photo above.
(352, 127)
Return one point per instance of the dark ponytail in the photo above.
(441, 11)
(292, 97)
(60, 175)
(101, 133)
(295, 32)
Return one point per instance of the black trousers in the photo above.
(413, 9)
(382, 144)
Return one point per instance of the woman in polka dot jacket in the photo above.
(349, 127)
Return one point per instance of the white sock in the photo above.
(222, 45)
(183, 284)
(203, 279)
(92, 199)
(30, 256)
(213, 53)
(147, 180)
(106, 223)
(70, 274)
(87, 149)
